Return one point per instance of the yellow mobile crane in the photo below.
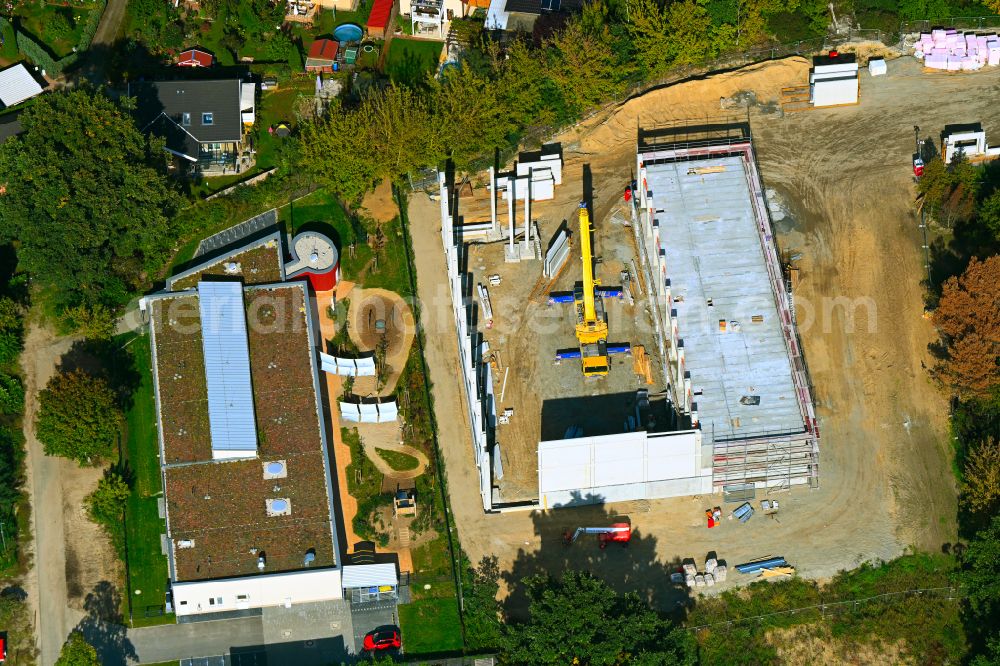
(591, 324)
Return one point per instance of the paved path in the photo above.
(171, 642)
(341, 451)
(111, 23)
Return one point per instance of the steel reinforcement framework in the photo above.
(767, 460)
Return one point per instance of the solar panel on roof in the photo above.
(227, 369)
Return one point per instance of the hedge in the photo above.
(39, 55)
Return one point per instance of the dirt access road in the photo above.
(71, 554)
(885, 482)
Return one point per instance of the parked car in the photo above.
(3, 647)
(382, 639)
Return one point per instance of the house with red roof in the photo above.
(195, 58)
(322, 55)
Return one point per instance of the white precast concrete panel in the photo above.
(623, 462)
(256, 591)
(621, 467)
(835, 91)
(227, 368)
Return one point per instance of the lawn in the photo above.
(430, 626)
(9, 50)
(410, 60)
(147, 565)
(55, 26)
(397, 460)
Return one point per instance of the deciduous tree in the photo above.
(107, 503)
(578, 619)
(87, 200)
(339, 151)
(76, 651)
(968, 316)
(78, 418)
(981, 490)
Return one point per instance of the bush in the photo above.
(11, 395)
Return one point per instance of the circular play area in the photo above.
(377, 314)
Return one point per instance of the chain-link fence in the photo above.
(958, 23)
(535, 136)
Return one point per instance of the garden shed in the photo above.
(381, 18)
(17, 85)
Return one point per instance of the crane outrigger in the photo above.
(591, 322)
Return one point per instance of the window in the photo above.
(184, 603)
(211, 602)
(207, 119)
(218, 601)
(186, 119)
(242, 597)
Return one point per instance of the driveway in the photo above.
(171, 642)
(304, 635)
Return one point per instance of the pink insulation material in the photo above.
(935, 61)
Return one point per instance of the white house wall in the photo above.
(256, 591)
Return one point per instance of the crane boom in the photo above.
(590, 328)
(587, 255)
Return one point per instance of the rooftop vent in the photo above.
(275, 469)
(261, 561)
(279, 506)
(185, 543)
(310, 557)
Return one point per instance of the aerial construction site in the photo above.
(648, 354)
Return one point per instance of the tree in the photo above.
(579, 619)
(979, 576)
(989, 214)
(968, 317)
(647, 28)
(949, 191)
(78, 418)
(584, 67)
(690, 29)
(76, 651)
(107, 503)
(482, 610)
(404, 133)
(981, 489)
(88, 202)
(466, 108)
(339, 152)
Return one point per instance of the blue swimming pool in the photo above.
(348, 32)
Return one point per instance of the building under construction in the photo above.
(723, 310)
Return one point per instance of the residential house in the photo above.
(521, 15)
(205, 123)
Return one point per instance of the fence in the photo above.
(824, 608)
(537, 135)
(959, 23)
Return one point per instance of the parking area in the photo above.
(369, 617)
